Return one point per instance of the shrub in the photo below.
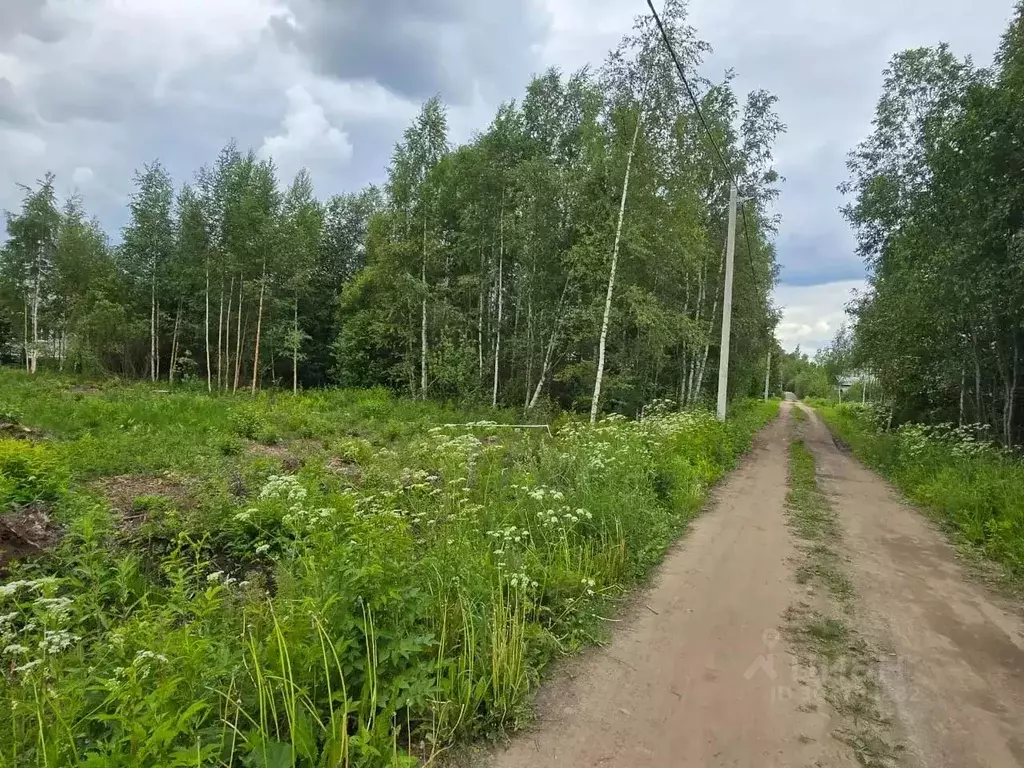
(28, 473)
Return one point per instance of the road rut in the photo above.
(697, 675)
(952, 654)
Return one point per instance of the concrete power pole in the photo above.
(730, 254)
(767, 374)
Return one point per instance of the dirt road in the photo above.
(952, 654)
(697, 674)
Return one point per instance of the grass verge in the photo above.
(820, 626)
(974, 489)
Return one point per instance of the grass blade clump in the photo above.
(366, 591)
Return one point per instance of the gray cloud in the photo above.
(417, 48)
(33, 18)
(824, 60)
(94, 88)
(12, 109)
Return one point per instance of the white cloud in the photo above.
(812, 314)
(307, 136)
(82, 175)
(111, 84)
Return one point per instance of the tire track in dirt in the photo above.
(697, 674)
(953, 660)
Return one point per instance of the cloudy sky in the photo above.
(91, 89)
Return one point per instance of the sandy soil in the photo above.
(696, 674)
(952, 653)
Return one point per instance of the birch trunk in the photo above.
(221, 370)
(423, 316)
(259, 328)
(529, 348)
(295, 349)
(35, 322)
(684, 356)
(699, 383)
(152, 326)
(238, 337)
(206, 329)
(174, 345)
(227, 331)
(501, 303)
(480, 325)
(24, 336)
(596, 402)
(546, 365)
(701, 296)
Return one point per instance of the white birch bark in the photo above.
(152, 325)
(699, 382)
(238, 337)
(501, 303)
(35, 322)
(596, 402)
(549, 351)
(423, 316)
(259, 328)
(206, 328)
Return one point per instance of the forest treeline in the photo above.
(938, 207)
(579, 240)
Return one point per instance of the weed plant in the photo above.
(344, 581)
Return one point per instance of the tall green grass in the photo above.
(968, 482)
(400, 586)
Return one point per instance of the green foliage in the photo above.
(28, 473)
(967, 480)
(938, 205)
(398, 586)
(477, 273)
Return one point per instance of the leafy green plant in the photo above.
(317, 615)
(29, 473)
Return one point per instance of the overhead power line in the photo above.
(714, 144)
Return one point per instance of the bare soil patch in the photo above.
(124, 492)
(345, 468)
(26, 532)
(290, 455)
(19, 431)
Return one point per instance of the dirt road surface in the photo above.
(697, 674)
(952, 654)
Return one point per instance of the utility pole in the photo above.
(730, 254)
(767, 373)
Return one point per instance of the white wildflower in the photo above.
(142, 657)
(58, 606)
(56, 641)
(14, 587)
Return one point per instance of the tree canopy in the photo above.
(579, 238)
(937, 202)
